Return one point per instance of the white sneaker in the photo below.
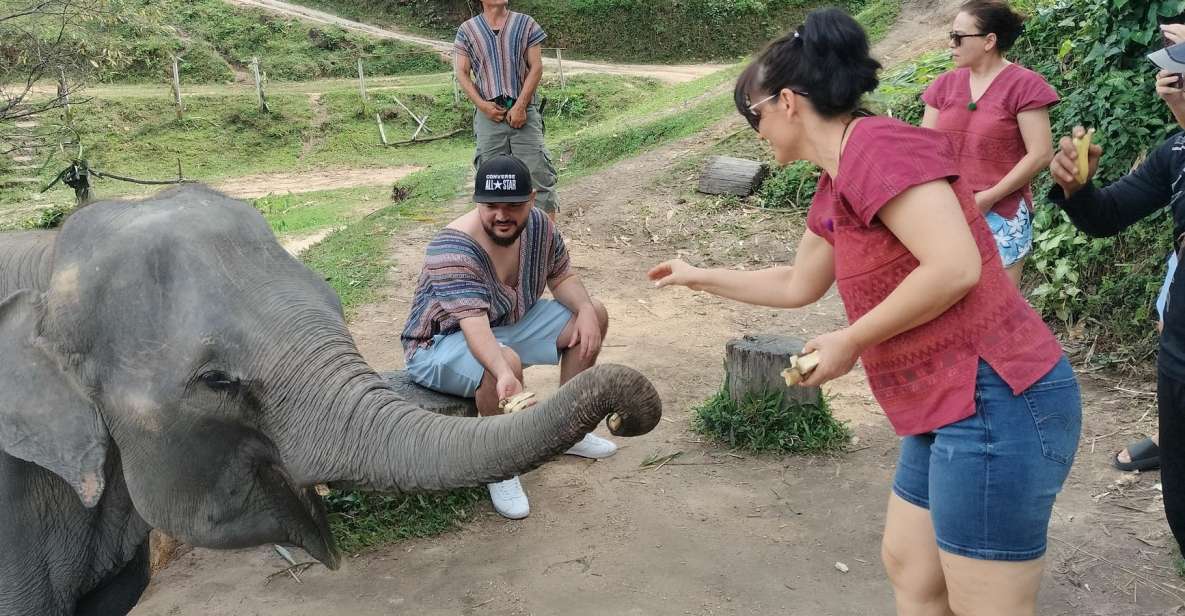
(509, 499)
(593, 446)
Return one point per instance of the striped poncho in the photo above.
(459, 281)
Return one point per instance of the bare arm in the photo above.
(570, 292)
(518, 112)
(479, 337)
(930, 117)
(794, 286)
(1038, 138)
(927, 219)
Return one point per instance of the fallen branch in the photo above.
(437, 138)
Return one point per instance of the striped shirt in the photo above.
(459, 281)
(499, 60)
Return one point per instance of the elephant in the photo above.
(165, 363)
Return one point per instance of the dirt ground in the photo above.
(712, 532)
(255, 186)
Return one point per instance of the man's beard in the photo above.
(504, 241)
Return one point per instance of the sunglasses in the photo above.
(754, 117)
(957, 37)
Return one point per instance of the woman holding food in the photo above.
(964, 368)
(1103, 212)
(997, 114)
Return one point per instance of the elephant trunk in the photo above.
(384, 443)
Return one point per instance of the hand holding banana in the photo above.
(1075, 160)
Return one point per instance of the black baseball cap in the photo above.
(502, 179)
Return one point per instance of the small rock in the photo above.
(841, 567)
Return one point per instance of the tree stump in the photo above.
(753, 364)
(725, 175)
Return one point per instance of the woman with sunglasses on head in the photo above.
(963, 367)
(997, 114)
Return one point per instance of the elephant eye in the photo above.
(220, 381)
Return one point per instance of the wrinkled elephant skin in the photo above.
(166, 364)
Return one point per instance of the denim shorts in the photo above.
(448, 366)
(990, 480)
(1014, 236)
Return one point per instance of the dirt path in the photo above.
(921, 27)
(254, 186)
(711, 533)
(669, 74)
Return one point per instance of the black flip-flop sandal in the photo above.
(1145, 456)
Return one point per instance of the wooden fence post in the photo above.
(382, 131)
(456, 86)
(259, 85)
(64, 95)
(177, 89)
(362, 84)
(559, 60)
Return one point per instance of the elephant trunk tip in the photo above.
(636, 405)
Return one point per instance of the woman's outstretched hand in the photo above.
(674, 272)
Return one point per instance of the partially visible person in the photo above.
(1144, 454)
(478, 317)
(965, 370)
(1107, 211)
(502, 50)
(997, 114)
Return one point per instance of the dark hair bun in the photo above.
(827, 58)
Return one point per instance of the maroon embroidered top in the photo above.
(923, 378)
(988, 140)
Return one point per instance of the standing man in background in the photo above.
(502, 50)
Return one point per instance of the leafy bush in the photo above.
(769, 423)
(1092, 52)
(790, 187)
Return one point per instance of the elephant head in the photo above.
(178, 333)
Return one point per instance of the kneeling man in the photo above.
(477, 319)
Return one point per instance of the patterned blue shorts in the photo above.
(1014, 236)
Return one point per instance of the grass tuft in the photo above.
(362, 520)
(766, 423)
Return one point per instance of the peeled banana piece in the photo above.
(1082, 144)
(516, 402)
(800, 367)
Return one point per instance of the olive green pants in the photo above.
(524, 143)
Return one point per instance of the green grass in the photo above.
(621, 30)
(765, 423)
(354, 259)
(878, 16)
(361, 520)
(306, 212)
(134, 42)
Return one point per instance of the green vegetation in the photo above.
(767, 423)
(1092, 51)
(622, 30)
(354, 259)
(363, 520)
(878, 16)
(214, 38)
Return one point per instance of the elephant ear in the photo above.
(44, 418)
